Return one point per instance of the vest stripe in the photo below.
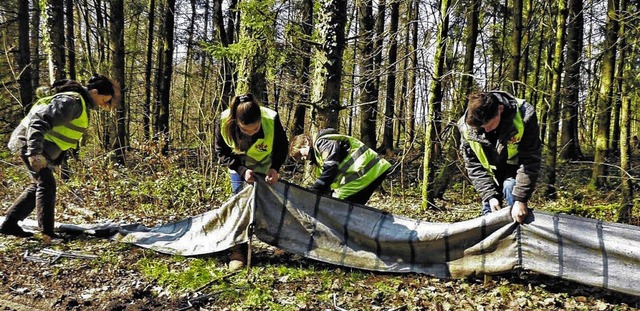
(361, 166)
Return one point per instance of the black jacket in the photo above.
(495, 147)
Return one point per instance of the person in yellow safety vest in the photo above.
(55, 124)
(344, 165)
(501, 149)
(249, 139)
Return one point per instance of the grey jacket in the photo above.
(29, 139)
(495, 147)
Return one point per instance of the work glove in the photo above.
(37, 162)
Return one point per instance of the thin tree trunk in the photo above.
(329, 80)
(35, 46)
(390, 94)
(55, 35)
(435, 98)
(413, 74)
(71, 46)
(167, 74)
(516, 46)
(307, 29)
(570, 148)
(554, 109)
(24, 57)
(147, 107)
(605, 102)
(625, 211)
(368, 103)
(117, 46)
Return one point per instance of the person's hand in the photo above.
(37, 162)
(494, 204)
(272, 177)
(519, 211)
(249, 176)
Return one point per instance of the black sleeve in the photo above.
(530, 158)
(280, 145)
(225, 155)
(330, 151)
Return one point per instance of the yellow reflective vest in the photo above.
(358, 169)
(65, 136)
(258, 157)
(512, 144)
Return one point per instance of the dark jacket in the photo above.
(236, 161)
(495, 147)
(29, 140)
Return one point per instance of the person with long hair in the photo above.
(55, 124)
(249, 139)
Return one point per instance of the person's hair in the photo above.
(102, 84)
(482, 107)
(243, 109)
(298, 142)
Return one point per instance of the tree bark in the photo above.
(571, 90)
(24, 57)
(116, 22)
(434, 102)
(605, 93)
(390, 94)
(327, 92)
(55, 44)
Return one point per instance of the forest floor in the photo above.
(96, 273)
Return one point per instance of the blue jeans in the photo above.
(236, 182)
(507, 196)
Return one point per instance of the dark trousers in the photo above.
(40, 195)
(363, 196)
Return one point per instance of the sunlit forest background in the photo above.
(393, 73)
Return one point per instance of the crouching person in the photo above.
(344, 165)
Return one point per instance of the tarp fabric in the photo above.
(289, 217)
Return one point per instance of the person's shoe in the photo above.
(51, 237)
(12, 228)
(238, 258)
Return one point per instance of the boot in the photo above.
(11, 227)
(238, 257)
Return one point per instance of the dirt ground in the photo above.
(32, 278)
(93, 273)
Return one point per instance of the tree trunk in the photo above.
(71, 46)
(413, 72)
(516, 46)
(147, 107)
(625, 211)
(604, 98)
(35, 45)
(434, 102)
(307, 30)
(55, 34)
(167, 74)
(554, 109)
(390, 94)
(120, 141)
(569, 139)
(368, 103)
(333, 19)
(24, 57)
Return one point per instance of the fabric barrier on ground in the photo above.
(289, 217)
